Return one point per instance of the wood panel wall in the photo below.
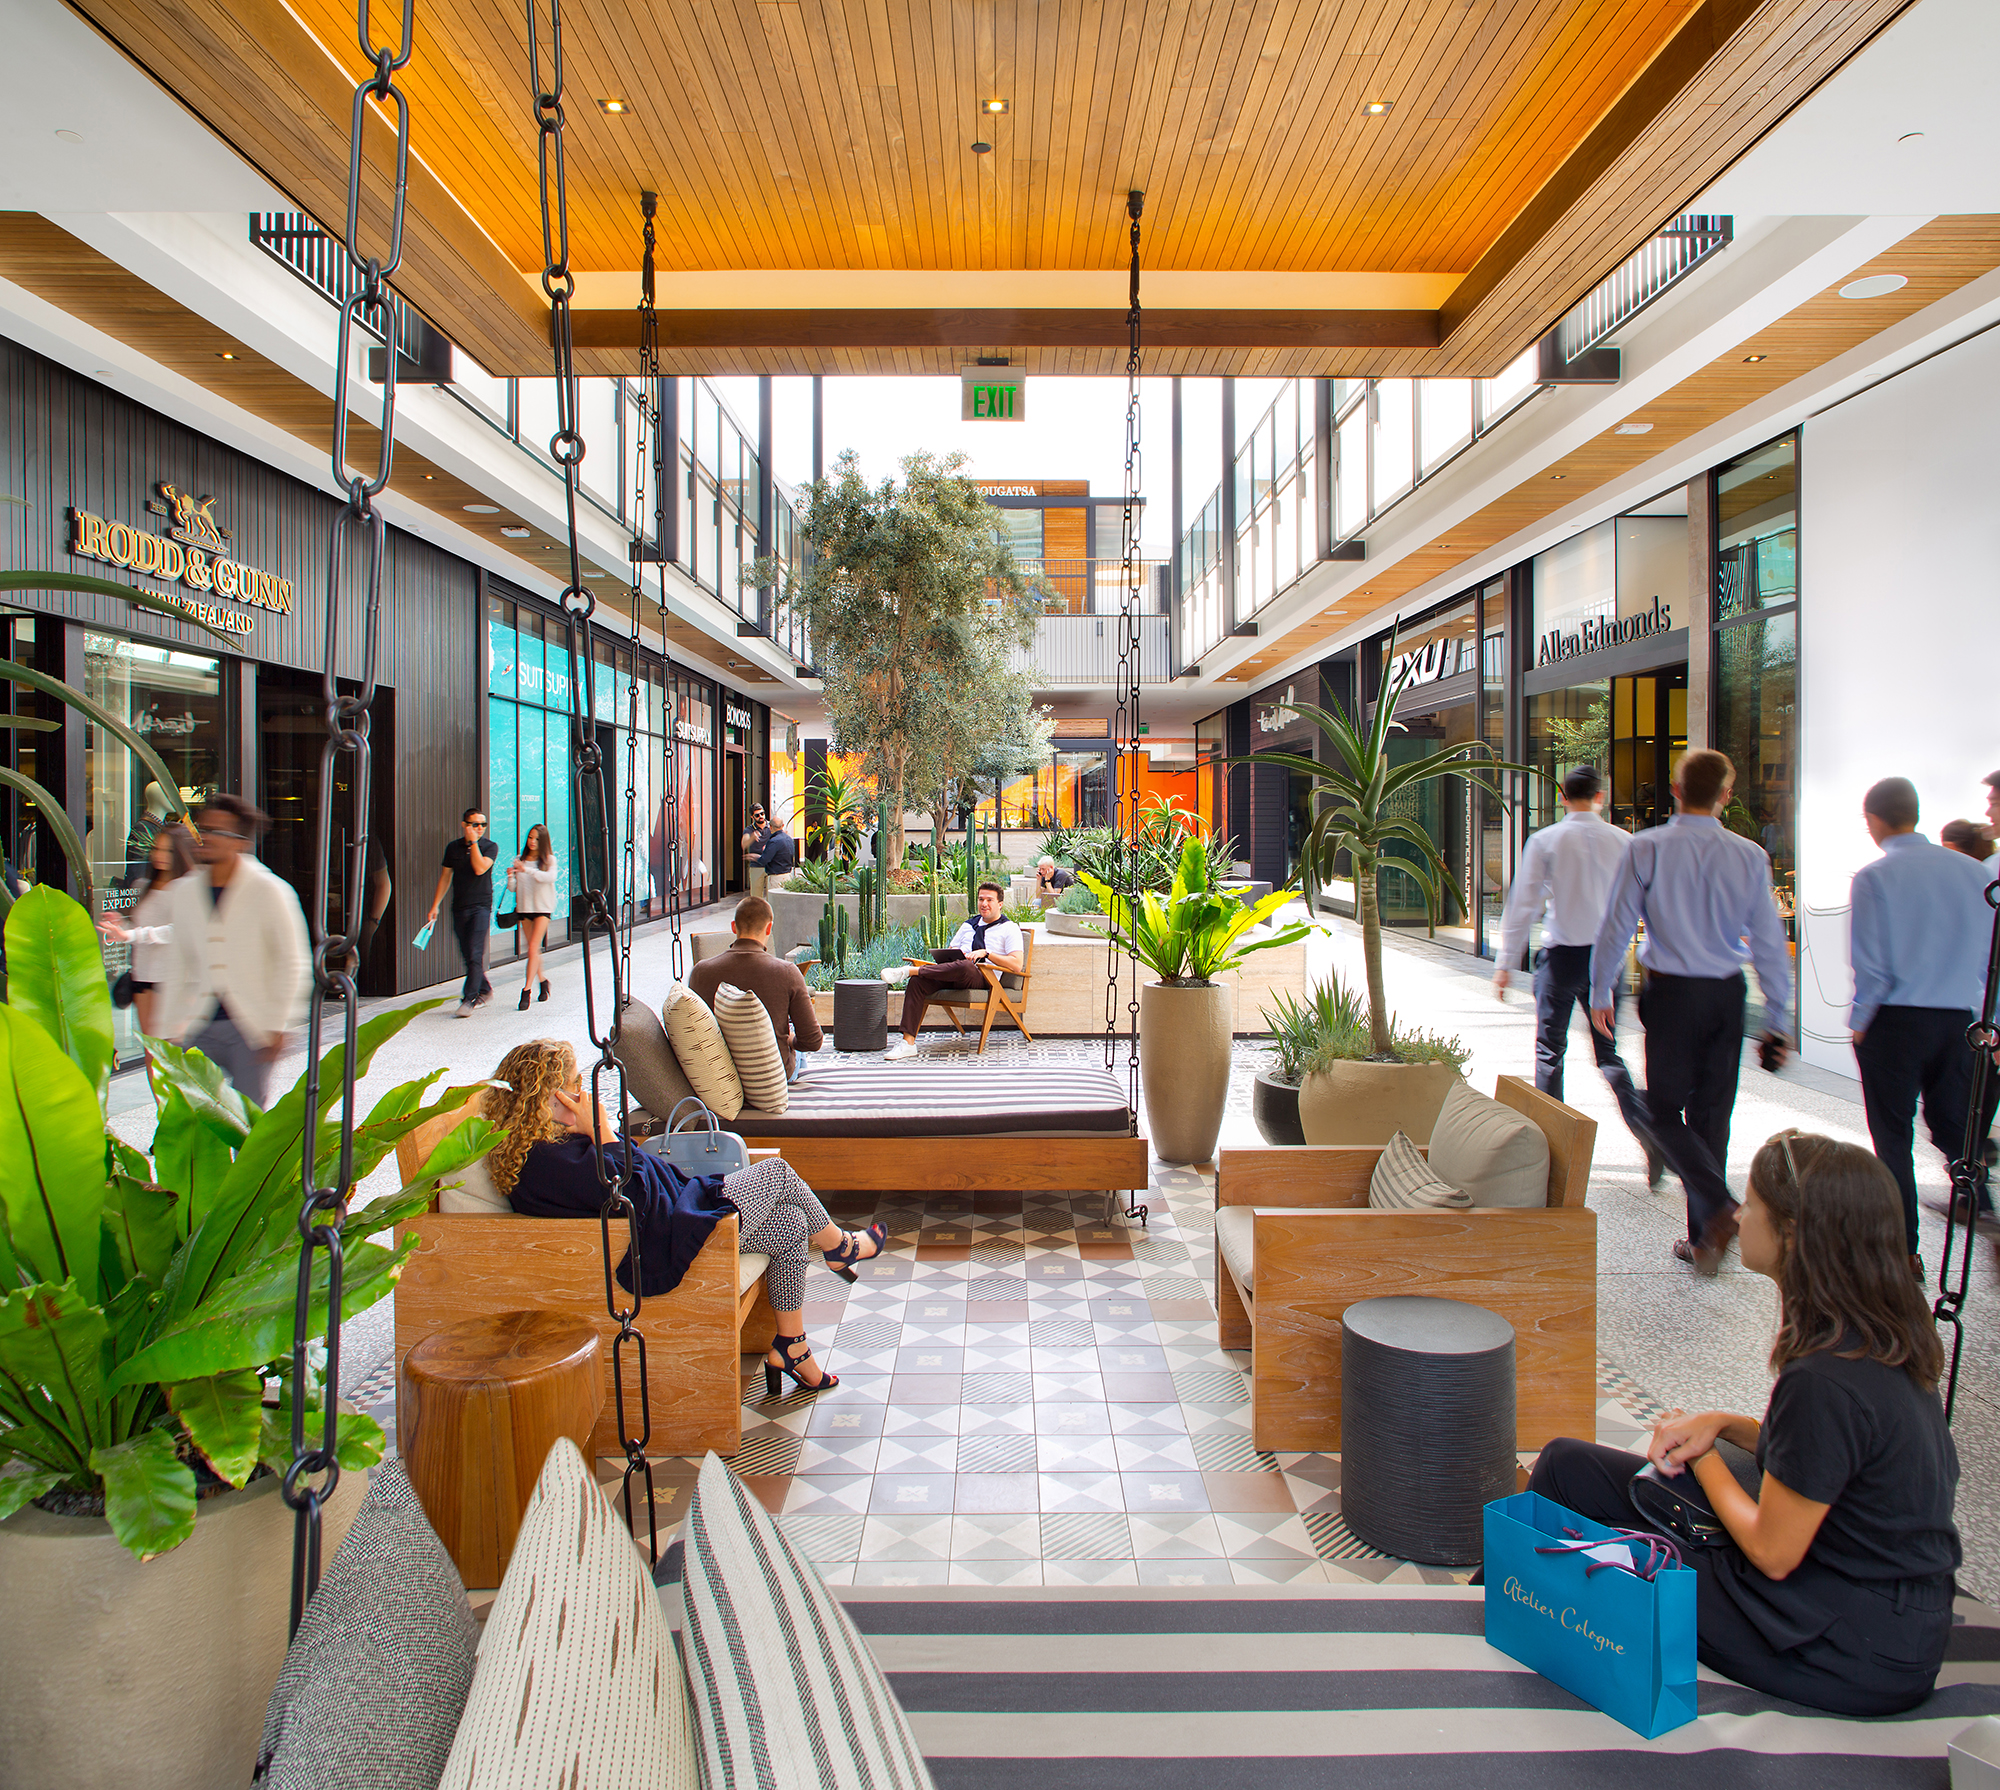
(65, 441)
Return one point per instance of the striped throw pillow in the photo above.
(700, 1051)
(785, 1691)
(1404, 1182)
(578, 1682)
(753, 1048)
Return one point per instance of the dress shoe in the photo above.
(524, 1001)
(1656, 1166)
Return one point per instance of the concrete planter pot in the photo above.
(795, 917)
(1075, 926)
(1184, 1067)
(156, 1672)
(1368, 1103)
(1274, 1105)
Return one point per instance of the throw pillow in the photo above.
(1489, 1151)
(472, 1190)
(701, 1052)
(375, 1681)
(652, 1071)
(1404, 1182)
(578, 1682)
(784, 1688)
(753, 1047)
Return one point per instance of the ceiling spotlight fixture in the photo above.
(1875, 285)
(612, 107)
(1906, 137)
(996, 106)
(69, 136)
(1633, 429)
(515, 534)
(982, 147)
(482, 509)
(226, 354)
(429, 476)
(1378, 108)
(1752, 359)
(1558, 475)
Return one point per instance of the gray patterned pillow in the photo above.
(376, 1679)
(652, 1072)
(1404, 1182)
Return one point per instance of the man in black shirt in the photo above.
(468, 873)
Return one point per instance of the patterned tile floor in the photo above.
(1032, 1396)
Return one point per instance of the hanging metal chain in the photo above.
(1968, 1174)
(566, 448)
(314, 1472)
(642, 436)
(1125, 731)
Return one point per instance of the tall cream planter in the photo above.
(1368, 1103)
(1184, 1067)
(120, 1671)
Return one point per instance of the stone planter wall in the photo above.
(795, 918)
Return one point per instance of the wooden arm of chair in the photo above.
(1297, 1175)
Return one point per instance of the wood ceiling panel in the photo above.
(1936, 260)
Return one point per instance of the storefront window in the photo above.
(693, 708)
(172, 700)
(527, 739)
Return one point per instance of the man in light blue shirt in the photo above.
(1704, 894)
(1918, 932)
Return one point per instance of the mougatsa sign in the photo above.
(193, 551)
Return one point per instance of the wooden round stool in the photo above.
(478, 1406)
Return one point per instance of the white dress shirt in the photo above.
(247, 951)
(1566, 869)
(1002, 938)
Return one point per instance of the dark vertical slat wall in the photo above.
(65, 442)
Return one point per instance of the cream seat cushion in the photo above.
(702, 1052)
(472, 1190)
(749, 1271)
(1236, 1238)
(745, 1023)
(1488, 1151)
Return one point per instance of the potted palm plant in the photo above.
(1198, 932)
(146, 1387)
(1399, 1081)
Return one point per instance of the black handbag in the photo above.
(1680, 1508)
(506, 920)
(121, 990)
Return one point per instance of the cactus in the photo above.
(864, 883)
(833, 936)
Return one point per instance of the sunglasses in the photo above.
(222, 833)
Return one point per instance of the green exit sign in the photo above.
(992, 395)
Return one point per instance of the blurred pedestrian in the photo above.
(1968, 838)
(468, 874)
(532, 878)
(170, 857)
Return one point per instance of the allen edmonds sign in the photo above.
(193, 552)
(1595, 636)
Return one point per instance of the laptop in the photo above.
(947, 955)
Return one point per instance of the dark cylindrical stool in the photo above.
(861, 1014)
(1426, 1425)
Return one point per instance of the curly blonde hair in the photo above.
(532, 1072)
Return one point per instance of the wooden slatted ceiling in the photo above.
(47, 261)
(1938, 259)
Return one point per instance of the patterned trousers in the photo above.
(778, 1212)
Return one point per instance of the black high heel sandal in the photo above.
(842, 1259)
(774, 1383)
(544, 995)
(524, 1001)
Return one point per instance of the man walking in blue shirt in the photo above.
(1917, 936)
(1705, 896)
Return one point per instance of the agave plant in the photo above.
(147, 1324)
(836, 805)
(1200, 929)
(1355, 813)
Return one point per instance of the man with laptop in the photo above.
(988, 939)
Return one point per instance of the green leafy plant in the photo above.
(1200, 930)
(1022, 913)
(149, 1311)
(1410, 1044)
(1299, 1024)
(888, 950)
(1357, 814)
(835, 805)
(1078, 899)
(819, 876)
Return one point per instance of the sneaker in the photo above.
(899, 1052)
(464, 1010)
(480, 999)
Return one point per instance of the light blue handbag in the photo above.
(703, 1151)
(1620, 1639)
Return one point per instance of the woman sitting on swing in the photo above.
(546, 1168)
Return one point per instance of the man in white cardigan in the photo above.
(239, 963)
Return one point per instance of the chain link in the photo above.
(643, 434)
(1125, 732)
(313, 1473)
(592, 907)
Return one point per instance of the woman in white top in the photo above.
(532, 877)
(151, 933)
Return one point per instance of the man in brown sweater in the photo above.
(776, 981)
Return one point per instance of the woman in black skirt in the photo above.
(1835, 1586)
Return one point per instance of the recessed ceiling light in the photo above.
(613, 106)
(982, 148)
(430, 475)
(1633, 429)
(1911, 137)
(1558, 475)
(69, 136)
(1752, 359)
(1378, 108)
(996, 106)
(516, 534)
(226, 354)
(1876, 285)
(482, 509)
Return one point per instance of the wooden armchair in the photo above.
(470, 1264)
(992, 1000)
(1318, 1247)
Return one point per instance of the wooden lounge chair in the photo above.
(992, 1001)
(470, 1264)
(1319, 1247)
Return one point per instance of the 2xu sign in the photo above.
(193, 552)
(992, 395)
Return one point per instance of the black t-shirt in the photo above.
(1057, 878)
(1871, 1443)
(468, 890)
(775, 852)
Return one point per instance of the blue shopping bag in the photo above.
(1617, 1640)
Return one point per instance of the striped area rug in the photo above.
(1320, 1688)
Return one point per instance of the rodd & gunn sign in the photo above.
(193, 552)
(1595, 634)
